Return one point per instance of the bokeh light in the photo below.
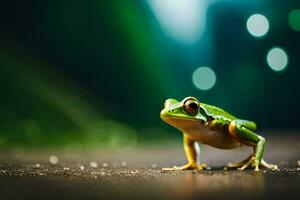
(277, 59)
(258, 25)
(294, 19)
(181, 20)
(204, 78)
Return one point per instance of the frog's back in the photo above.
(215, 111)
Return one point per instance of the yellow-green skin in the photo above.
(213, 126)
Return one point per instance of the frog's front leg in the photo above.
(239, 130)
(191, 156)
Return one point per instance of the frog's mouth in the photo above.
(182, 123)
(179, 120)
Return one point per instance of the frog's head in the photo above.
(182, 114)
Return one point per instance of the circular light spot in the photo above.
(123, 164)
(93, 164)
(294, 19)
(277, 59)
(104, 165)
(258, 25)
(53, 160)
(204, 78)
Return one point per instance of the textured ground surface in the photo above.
(136, 174)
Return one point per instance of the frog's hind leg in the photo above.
(241, 130)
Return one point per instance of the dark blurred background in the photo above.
(87, 73)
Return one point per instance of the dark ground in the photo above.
(135, 174)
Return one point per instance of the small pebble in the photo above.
(93, 164)
(81, 167)
(37, 165)
(104, 165)
(66, 168)
(103, 173)
(53, 160)
(298, 163)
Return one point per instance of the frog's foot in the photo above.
(186, 167)
(236, 165)
(251, 162)
(268, 165)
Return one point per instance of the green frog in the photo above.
(213, 126)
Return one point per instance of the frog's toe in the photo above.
(236, 165)
(186, 167)
(245, 166)
(174, 168)
(273, 167)
(268, 165)
(256, 168)
(193, 167)
(250, 163)
(202, 167)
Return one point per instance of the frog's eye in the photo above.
(191, 106)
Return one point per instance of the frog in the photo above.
(210, 125)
